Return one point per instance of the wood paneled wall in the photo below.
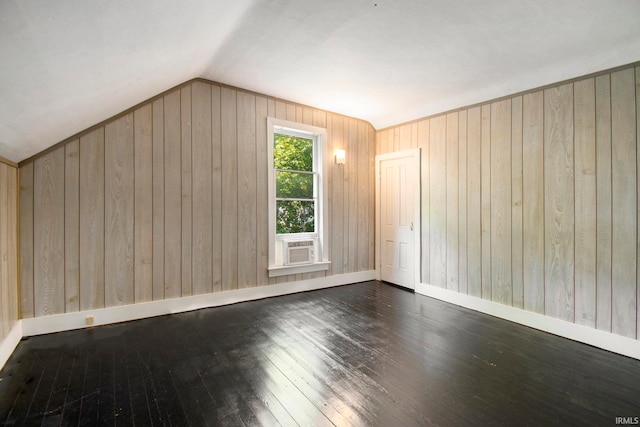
(8, 248)
(170, 200)
(532, 201)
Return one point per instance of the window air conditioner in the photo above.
(298, 252)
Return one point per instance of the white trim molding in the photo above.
(601, 339)
(10, 342)
(124, 313)
(297, 269)
(321, 166)
(105, 316)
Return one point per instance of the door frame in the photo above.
(414, 154)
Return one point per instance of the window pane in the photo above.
(293, 185)
(295, 216)
(293, 153)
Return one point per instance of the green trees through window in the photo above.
(295, 184)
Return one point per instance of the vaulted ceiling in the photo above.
(66, 65)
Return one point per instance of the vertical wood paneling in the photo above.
(438, 201)
(474, 224)
(262, 215)
(423, 143)
(170, 200)
(301, 114)
(5, 321)
(341, 222)
(394, 143)
(307, 115)
(247, 190)
(624, 203)
(637, 123)
(462, 203)
(516, 202)
(383, 141)
(71, 229)
(216, 185)
(346, 196)
(559, 202)
(186, 199)
(485, 199)
(49, 233)
(585, 199)
(533, 201)
(547, 200)
(352, 214)
(501, 280)
(158, 198)
(143, 196)
(452, 191)
(362, 214)
(290, 112)
(186, 147)
(26, 241)
(405, 137)
(337, 233)
(8, 249)
(202, 182)
(387, 141)
(119, 211)
(11, 242)
(372, 202)
(172, 196)
(229, 190)
(280, 110)
(603, 202)
(92, 220)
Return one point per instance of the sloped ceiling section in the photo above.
(69, 64)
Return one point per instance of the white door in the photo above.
(399, 217)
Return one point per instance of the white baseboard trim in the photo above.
(105, 316)
(605, 340)
(10, 342)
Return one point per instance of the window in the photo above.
(296, 182)
(297, 202)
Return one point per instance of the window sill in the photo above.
(297, 269)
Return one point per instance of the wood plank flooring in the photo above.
(362, 354)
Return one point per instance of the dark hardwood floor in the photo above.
(363, 354)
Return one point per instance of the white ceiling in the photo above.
(66, 65)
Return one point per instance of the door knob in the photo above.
(411, 226)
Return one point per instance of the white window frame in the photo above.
(321, 162)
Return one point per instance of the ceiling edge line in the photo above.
(129, 110)
(276, 98)
(8, 162)
(515, 94)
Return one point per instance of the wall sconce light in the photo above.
(340, 156)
